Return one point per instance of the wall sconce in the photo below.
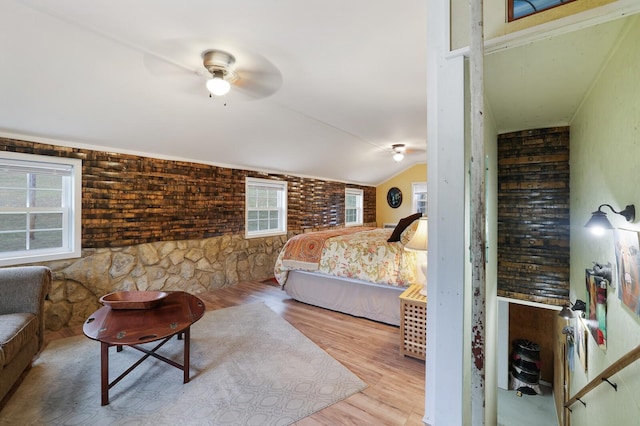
(568, 331)
(580, 306)
(599, 222)
(604, 272)
(567, 313)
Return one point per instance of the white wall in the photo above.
(605, 168)
(447, 399)
(445, 395)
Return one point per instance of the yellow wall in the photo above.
(403, 181)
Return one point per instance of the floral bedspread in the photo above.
(304, 251)
(365, 255)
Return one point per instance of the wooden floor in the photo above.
(395, 392)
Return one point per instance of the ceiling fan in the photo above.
(400, 150)
(241, 75)
(258, 78)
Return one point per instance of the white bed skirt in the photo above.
(358, 298)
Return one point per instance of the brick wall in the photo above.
(128, 199)
(533, 215)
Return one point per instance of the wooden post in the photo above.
(477, 184)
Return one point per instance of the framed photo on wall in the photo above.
(627, 252)
(394, 197)
(596, 314)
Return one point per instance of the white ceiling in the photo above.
(348, 80)
(542, 84)
(122, 75)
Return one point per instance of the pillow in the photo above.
(402, 225)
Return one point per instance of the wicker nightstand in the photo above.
(413, 322)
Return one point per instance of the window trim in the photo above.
(282, 208)
(415, 186)
(72, 227)
(511, 9)
(360, 209)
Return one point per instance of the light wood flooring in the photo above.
(395, 392)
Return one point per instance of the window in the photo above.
(40, 208)
(266, 207)
(353, 207)
(419, 197)
(522, 8)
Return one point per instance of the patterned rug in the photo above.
(248, 367)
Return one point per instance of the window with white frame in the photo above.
(265, 207)
(419, 197)
(353, 206)
(40, 208)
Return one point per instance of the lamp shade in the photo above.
(598, 222)
(566, 313)
(420, 240)
(218, 86)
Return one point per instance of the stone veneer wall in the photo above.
(193, 266)
(153, 224)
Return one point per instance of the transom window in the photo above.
(353, 206)
(521, 8)
(40, 208)
(266, 207)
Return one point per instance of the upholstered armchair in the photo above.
(22, 293)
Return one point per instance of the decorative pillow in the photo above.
(402, 225)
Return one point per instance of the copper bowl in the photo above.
(133, 299)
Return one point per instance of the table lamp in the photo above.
(420, 244)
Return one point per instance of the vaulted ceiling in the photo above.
(348, 80)
(333, 84)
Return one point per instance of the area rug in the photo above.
(248, 367)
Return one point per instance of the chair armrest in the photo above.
(23, 289)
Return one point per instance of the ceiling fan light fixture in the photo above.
(220, 65)
(217, 85)
(398, 150)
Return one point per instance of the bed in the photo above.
(353, 270)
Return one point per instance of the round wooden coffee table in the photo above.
(130, 327)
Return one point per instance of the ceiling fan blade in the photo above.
(410, 151)
(257, 77)
(258, 84)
